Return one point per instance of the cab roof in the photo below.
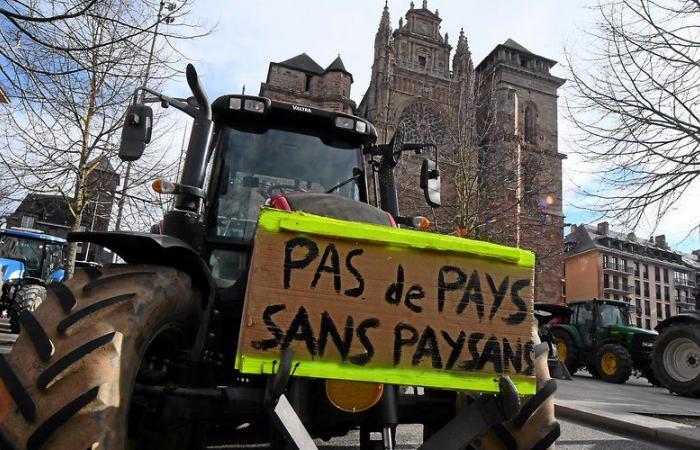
(33, 235)
(603, 301)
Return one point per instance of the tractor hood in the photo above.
(622, 329)
(11, 269)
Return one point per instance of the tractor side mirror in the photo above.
(136, 133)
(430, 182)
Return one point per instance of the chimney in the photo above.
(572, 230)
(660, 241)
(603, 228)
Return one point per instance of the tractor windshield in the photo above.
(27, 251)
(613, 315)
(257, 166)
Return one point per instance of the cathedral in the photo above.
(494, 125)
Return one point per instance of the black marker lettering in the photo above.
(492, 353)
(456, 346)
(448, 285)
(415, 292)
(356, 291)
(472, 292)
(364, 358)
(328, 328)
(519, 316)
(515, 358)
(428, 346)
(474, 339)
(400, 341)
(498, 294)
(272, 327)
(300, 330)
(289, 263)
(334, 268)
(395, 291)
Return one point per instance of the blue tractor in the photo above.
(28, 260)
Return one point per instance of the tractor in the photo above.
(596, 334)
(142, 354)
(676, 354)
(28, 260)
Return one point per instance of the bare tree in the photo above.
(70, 99)
(635, 100)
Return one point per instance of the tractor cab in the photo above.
(28, 253)
(264, 149)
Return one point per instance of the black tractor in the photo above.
(141, 355)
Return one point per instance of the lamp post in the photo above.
(170, 6)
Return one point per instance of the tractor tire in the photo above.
(676, 359)
(650, 375)
(28, 297)
(613, 363)
(535, 426)
(69, 379)
(567, 350)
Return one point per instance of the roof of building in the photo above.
(588, 237)
(304, 63)
(511, 44)
(337, 66)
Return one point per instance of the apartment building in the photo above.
(601, 263)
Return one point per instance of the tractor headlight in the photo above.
(254, 105)
(647, 344)
(360, 126)
(234, 103)
(344, 122)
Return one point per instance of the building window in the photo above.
(27, 222)
(667, 294)
(308, 83)
(639, 322)
(530, 124)
(616, 297)
(646, 289)
(678, 295)
(638, 304)
(659, 311)
(647, 308)
(636, 269)
(665, 275)
(616, 282)
(606, 296)
(421, 61)
(658, 292)
(667, 309)
(645, 271)
(637, 287)
(657, 273)
(647, 324)
(680, 278)
(606, 280)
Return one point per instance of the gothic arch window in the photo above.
(530, 123)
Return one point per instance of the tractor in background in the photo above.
(597, 335)
(29, 259)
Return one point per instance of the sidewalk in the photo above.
(620, 409)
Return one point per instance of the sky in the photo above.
(249, 34)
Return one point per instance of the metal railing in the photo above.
(617, 267)
(681, 281)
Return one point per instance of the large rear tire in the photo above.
(567, 350)
(69, 379)
(676, 359)
(28, 297)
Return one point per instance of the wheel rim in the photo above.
(609, 364)
(561, 349)
(682, 360)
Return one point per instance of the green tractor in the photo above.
(597, 335)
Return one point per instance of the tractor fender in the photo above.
(146, 248)
(687, 316)
(573, 332)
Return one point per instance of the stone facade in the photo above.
(500, 183)
(301, 80)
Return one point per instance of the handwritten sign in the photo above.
(372, 303)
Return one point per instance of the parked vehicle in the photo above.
(676, 354)
(28, 260)
(597, 335)
(149, 347)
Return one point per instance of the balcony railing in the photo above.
(680, 281)
(612, 267)
(619, 289)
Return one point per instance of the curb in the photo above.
(616, 424)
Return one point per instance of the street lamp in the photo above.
(170, 6)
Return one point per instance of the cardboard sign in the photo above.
(372, 303)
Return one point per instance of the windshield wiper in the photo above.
(356, 173)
